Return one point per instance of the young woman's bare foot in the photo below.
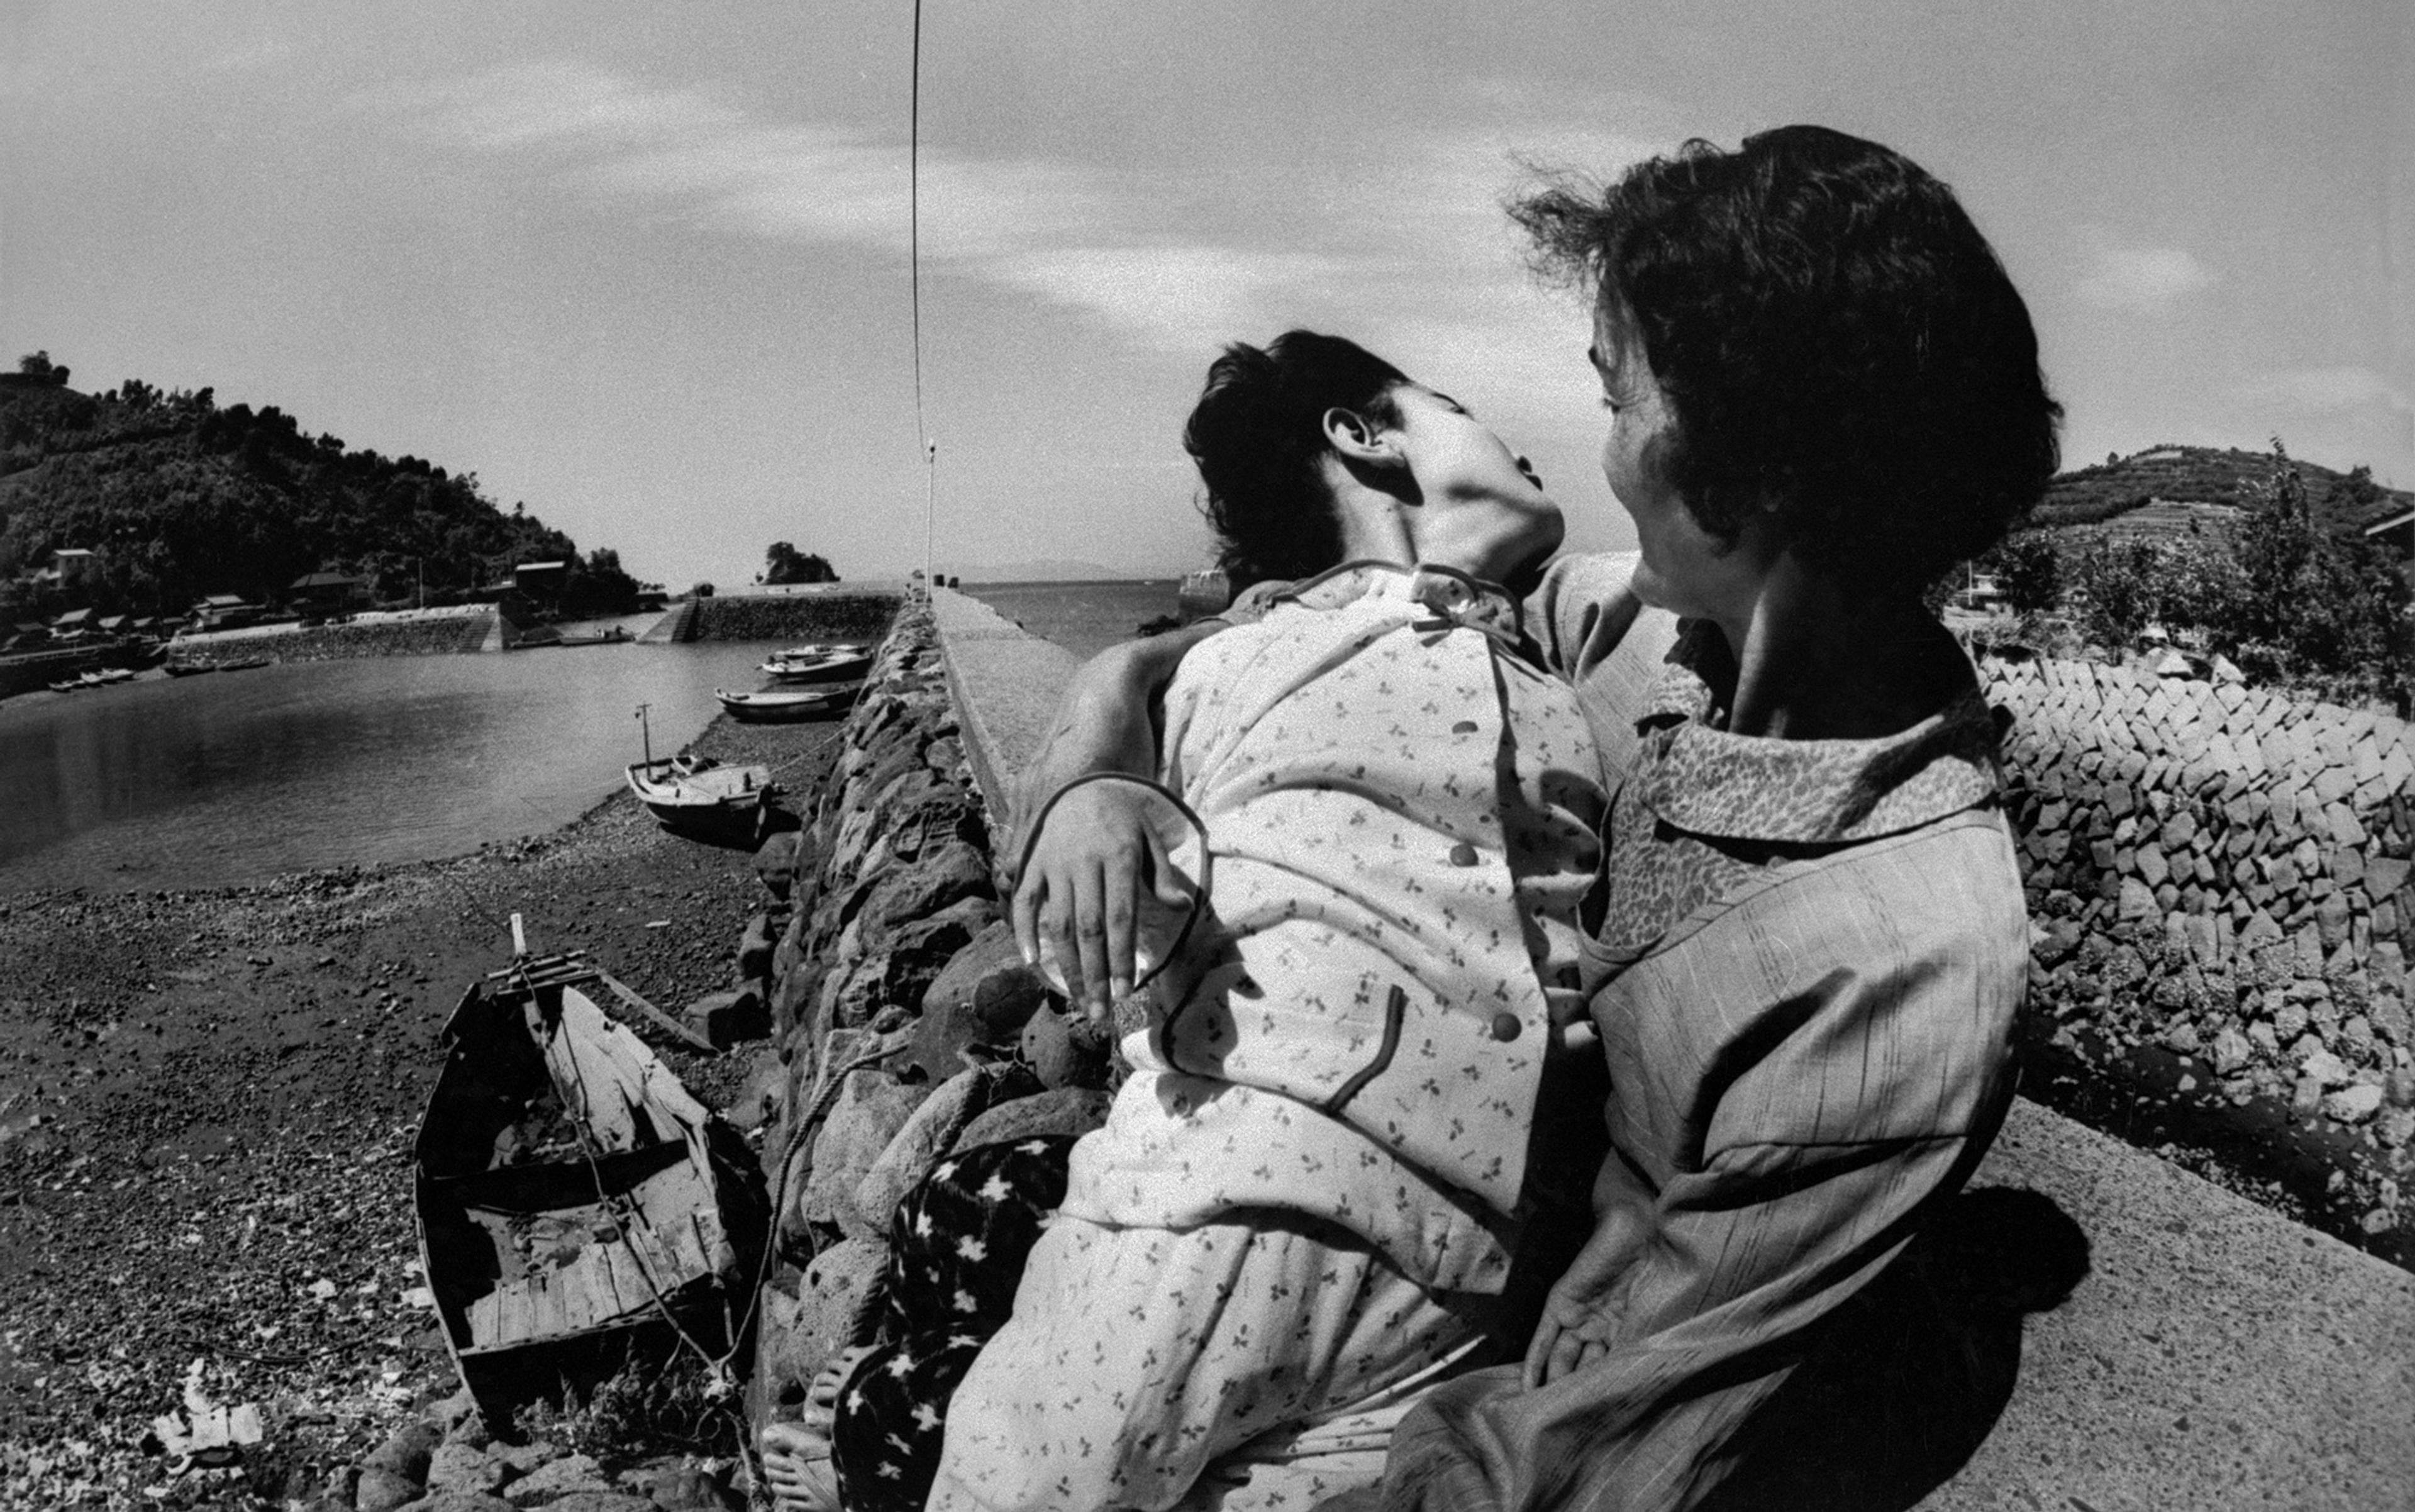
(796, 1456)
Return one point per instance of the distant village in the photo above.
(532, 592)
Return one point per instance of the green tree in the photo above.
(2118, 582)
(2030, 571)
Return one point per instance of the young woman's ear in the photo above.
(1356, 438)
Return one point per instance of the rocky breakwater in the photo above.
(907, 1023)
(437, 633)
(2219, 886)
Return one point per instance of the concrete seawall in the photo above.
(2214, 1354)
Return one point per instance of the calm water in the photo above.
(1084, 618)
(236, 776)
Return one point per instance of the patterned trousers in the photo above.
(956, 1250)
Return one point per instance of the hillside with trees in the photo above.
(2227, 477)
(181, 498)
(2259, 558)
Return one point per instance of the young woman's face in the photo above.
(1685, 569)
(1463, 470)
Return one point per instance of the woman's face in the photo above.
(1468, 479)
(1686, 569)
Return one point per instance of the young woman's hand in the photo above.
(1100, 859)
(1079, 888)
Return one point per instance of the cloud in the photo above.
(2143, 280)
(1420, 245)
(2317, 391)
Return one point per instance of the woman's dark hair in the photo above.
(1258, 435)
(1835, 341)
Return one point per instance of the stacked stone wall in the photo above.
(2224, 870)
(905, 1018)
(437, 634)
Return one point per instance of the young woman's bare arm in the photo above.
(1081, 877)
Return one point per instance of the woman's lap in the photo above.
(1137, 1357)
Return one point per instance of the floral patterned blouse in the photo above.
(1403, 811)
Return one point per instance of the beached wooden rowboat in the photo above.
(574, 1199)
(693, 789)
(780, 706)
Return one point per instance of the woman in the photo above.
(1304, 1205)
(1823, 393)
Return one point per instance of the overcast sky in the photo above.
(643, 266)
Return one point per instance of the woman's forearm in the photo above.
(1106, 721)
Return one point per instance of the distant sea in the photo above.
(1085, 617)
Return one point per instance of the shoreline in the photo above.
(207, 1101)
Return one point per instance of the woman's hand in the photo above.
(1581, 1314)
(1097, 860)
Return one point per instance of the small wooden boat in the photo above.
(692, 789)
(781, 706)
(574, 1199)
(188, 668)
(245, 665)
(825, 664)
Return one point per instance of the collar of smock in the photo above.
(1709, 782)
(1454, 598)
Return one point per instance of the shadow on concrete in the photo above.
(1907, 1381)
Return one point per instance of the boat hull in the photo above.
(831, 665)
(783, 706)
(680, 790)
(570, 1192)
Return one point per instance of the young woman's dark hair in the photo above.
(1257, 434)
(1836, 339)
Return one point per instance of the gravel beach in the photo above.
(207, 1103)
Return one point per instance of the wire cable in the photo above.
(914, 218)
(914, 262)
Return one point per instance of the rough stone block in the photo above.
(382, 1491)
(929, 1134)
(406, 1452)
(2332, 921)
(458, 1467)
(1070, 1110)
(571, 1474)
(775, 864)
(2340, 822)
(2353, 1104)
(763, 1092)
(734, 1017)
(2333, 783)
(2136, 902)
(871, 1108)
(1066, 1049)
